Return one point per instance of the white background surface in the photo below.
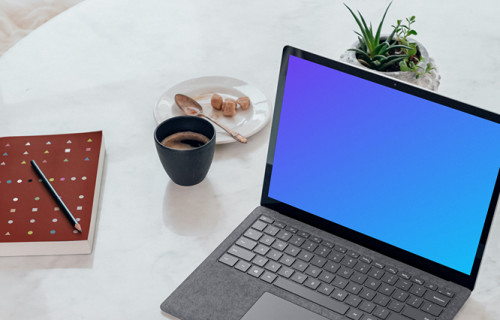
(103, 64)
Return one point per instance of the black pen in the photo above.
(56, 197)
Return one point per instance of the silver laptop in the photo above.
(377, 201)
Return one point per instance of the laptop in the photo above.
(377, 201)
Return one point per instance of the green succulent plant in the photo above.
(375, 52)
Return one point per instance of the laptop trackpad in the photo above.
(272, 307)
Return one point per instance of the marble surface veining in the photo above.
(101, 66)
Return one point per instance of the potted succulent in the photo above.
(395, 55)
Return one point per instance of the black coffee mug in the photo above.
(186, 167)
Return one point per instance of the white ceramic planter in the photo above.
(429, 80)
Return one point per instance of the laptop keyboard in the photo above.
(328, 274)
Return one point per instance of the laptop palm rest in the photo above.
(270, 305)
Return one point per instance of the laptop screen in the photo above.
(404, 170)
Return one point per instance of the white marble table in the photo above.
(103, 64)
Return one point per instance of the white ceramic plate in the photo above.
(246, 122)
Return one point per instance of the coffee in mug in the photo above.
(185, 140)
(185, 145)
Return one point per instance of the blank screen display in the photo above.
(401, 169)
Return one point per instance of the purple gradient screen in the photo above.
(409, 172)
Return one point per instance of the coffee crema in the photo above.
(185, 140)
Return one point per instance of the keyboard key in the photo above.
(316, 239)
(359, 278)
(313, 296)
(376, 273)
(279, 224)
(298, 277)
(367, 306)
(391, 270)
(228, 259)
(291, 229)
(415, 314)
(354, 314)
(417, 290)
(403, 284)
(284, 235)
(260, 261)
(396, 306)
(328, 244)
(297, 240)
(325, 289)
(242, 265)
(415, 301)
(436, 298)
(309, 245)
(322, 251)
(300, 265)
(255, 271)
(305, 255)
(292, 250)
(390, 278)
(266, 219)
(367, 294)
(362, 267)
(279, 245)
(446, 292)
(381, 299)
(271, 230)
(400, 295)
(312, 283)
(303, 234)
(267, 240)
(431, 286)
(246, 243)
(313, 271)
(318, 261)
(273, 254)
(372, 283)
(259, 225)
(253, 234)
(241, 253)
(353, 300)
(335, 257)
(345, 272)
(432, 308)
(352, 254)
(349, 262)
(340, 282)
(365, 260)
(268, 277)
(370, 317)
(285, 272)
(419, 281)
(261, 249)
(287, 260)
(380, 312)
(331, 267)
(386, 289)
(379, 265)
(326, 276)
(404, 275)
(339, 294)
(353, 288)
(273, 266)
(340, 249)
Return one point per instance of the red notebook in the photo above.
(31, 223)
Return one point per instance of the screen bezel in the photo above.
(349, 234)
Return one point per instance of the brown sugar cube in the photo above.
(216, 101)
(244, 102)
(229, 107)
